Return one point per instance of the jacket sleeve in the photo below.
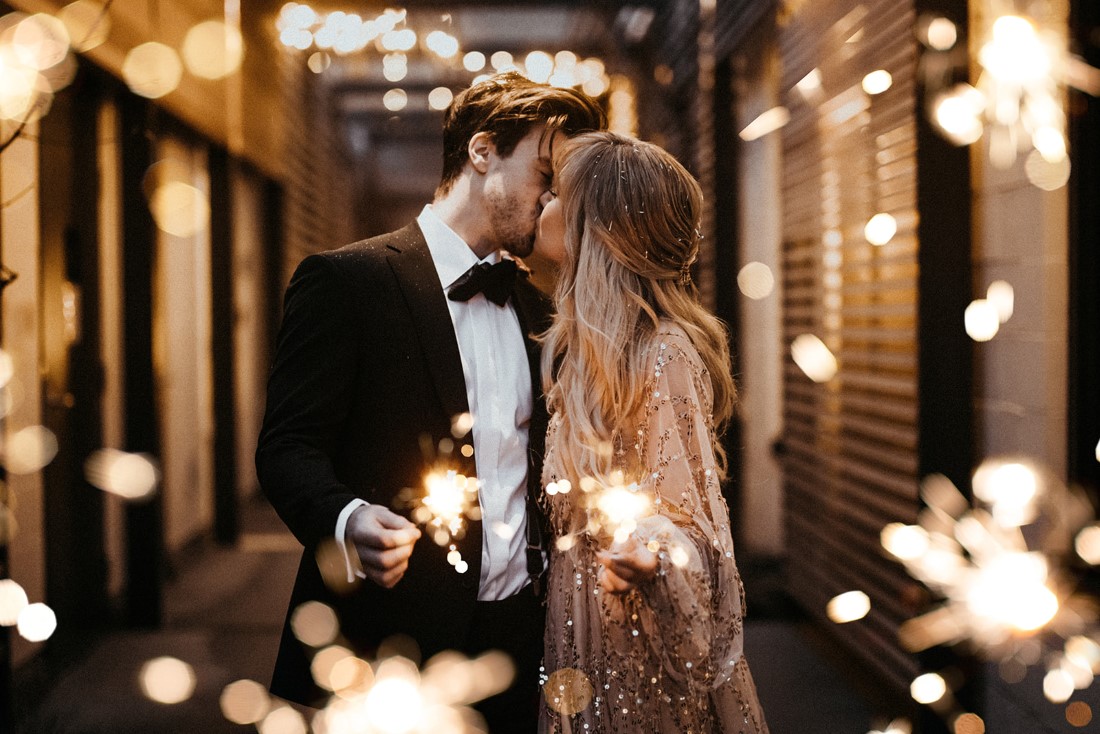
(309, 394)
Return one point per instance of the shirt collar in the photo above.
(450, 253)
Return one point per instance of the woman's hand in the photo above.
(626, 565)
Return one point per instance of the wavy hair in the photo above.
(631, 215)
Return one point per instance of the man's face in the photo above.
(515, 190)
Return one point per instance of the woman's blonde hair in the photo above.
(631, 219)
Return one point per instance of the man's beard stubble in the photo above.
(515, 237)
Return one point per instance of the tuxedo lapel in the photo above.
(412, 265)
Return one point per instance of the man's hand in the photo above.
(626, 565)
(384, 541)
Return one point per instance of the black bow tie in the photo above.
(495, 281)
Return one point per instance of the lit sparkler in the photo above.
(450, 499)
(615, 509)
(998, 590)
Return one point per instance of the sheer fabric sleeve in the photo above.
(691, 612)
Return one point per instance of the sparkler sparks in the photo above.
(615, 510)
(450, 499)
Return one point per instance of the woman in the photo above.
(644, 619)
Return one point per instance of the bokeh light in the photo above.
(440, 99)
(167, 680)
(756, 280)
(941, 34)
(283, 720)
(213, 49)
(814, 358)
(1087, 544)
(981, 320)
(36, 622)
(39, 41)
(325, 661)
(442, 44)
(880, 229)
(474, 61)
(399, 40)
(1045, 174)
(767, 122)
(395, 100)
(315, 624)
(1001, 294)
(127, 475)
(848, 607)
(957, 113)
(877, 81)
(969, 724)
(29, 450)
(152, 70)
(318, 61)
(907, 542)
(539, 65)
(13, 600)
(7, 369)
(568, 691)
(244, 702)
(928, 688)
(180, 209)
(87, 22)
(501, 60)
(1058, 685)
(1079, 714)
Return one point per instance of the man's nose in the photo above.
(545, 199)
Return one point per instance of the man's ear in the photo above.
(479, 149)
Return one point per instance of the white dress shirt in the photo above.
(498, 390)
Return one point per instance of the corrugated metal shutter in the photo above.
(851, 444)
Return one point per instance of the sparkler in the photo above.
(613, 509)
(996, 566)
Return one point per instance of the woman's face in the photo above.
(550, 233)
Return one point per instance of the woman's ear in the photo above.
(479, 149)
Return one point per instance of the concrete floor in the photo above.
(223, 614)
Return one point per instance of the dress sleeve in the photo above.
(691, 612)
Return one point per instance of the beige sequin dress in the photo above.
(667, 656)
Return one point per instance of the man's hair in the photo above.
(507, 106)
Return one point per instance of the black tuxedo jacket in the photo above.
(366, 377)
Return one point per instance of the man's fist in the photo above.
(383, 541)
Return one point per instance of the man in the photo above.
(383, 343)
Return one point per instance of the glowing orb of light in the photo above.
(941, 34)
(473, 61)
(1050, 142)
(29, 450)
(440, 98)
(756, 280)
(13, 600)
(283, 720)
(958, 114)
(244, 702)
(814, 358)
(87, 22)
(442, 44)
(395, 704)
(167, 680)
(907, 542)
(565, 542)
(395, 100)
(314, 623)
(180, 209)
(567, 691)
(968, 724)
(399, 40)
(1009, 487)
(1044, 174)
(130, 476)
(7, 368)
(213, 49)
(620, 509)
(152, 70)
(324, 662)
(350, 673)
(1058, 685)
(928, 688)
(40, 41)
(36, 622)
(848, 607)
(20, 88)
(1084, 651)
(501, 60)
(299, 38)
(877, 81)
(982, 321)
(1079, 714)
(678, 555)
(395, 73)
(1015, 53)
(880, 229)
(318, 61)
(1009, 591)
(539, 66)
(1087, 544)
(1001, 294)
